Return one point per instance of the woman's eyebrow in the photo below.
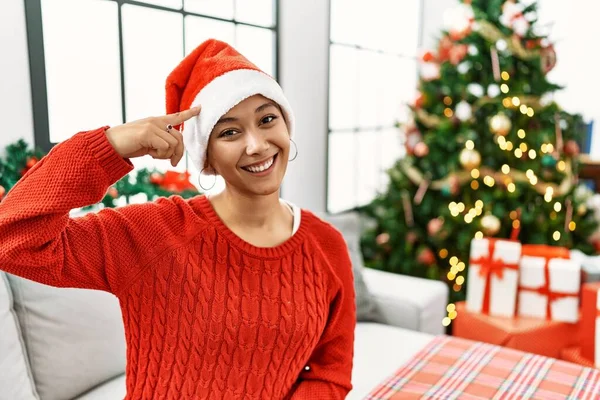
(234, 119)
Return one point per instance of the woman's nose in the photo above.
(256, 144)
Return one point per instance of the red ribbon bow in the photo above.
(491, 266)
(544, 290)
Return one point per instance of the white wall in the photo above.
(304, 53)
(573, 27)
(433, 13)
(15, 87)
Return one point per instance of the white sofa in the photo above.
(58, 344)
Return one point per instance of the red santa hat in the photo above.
(216, 77)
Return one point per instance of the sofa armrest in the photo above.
(408, 302)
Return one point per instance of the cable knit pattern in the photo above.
(206, 314)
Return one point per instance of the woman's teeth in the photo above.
(261, 167)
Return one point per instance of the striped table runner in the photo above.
(454, 368)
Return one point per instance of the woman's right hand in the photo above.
(150, 136)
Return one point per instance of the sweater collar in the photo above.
(265, 252)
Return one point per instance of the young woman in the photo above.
(236, 295)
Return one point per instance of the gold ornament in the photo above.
(582, 209)
(500, 124)
(469, 159)
(490, 225)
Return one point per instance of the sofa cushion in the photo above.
(113, 389)
(379, 350)
(74, 337)
(15, 377)
(349, 226)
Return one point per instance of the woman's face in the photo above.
(249, 146)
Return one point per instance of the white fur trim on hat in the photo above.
(221, 95)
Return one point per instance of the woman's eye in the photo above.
(268, 118)
(227, 133)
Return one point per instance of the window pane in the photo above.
(343, 100)
(258, 45)
(146, 33)
(368, 166)
(215, 8)
(398, 79)
(389, 25)
(341, 172)
(81, 84)
(344, 21)
(258, 12)
(391, 150)
(175, 4)
(198, 29)
(404, 18)
(391, 147)
(369, 91)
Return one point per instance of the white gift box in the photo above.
(549, 288)
(493, 276)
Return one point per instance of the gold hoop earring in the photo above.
(295, 148)
(200, 181)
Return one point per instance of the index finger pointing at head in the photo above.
(182, 116)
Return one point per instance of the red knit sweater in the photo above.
(207, 315)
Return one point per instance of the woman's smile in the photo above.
(262, 168)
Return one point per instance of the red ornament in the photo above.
(412, 139)
(428, 56)
(156, 178)
(572, 148)
(382, 238)
(596, 244)
(411, 237)
(444, 48)
(533, 44)
(454, 185)
(175, 181)
(421, 149)
(419, 100)
(113, 192)
(426, 257)
(2, 192)
(31, 162)
(435, 226)
(457, 53)
(548, 58)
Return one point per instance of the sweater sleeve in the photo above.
(41, 242)
(329, 371)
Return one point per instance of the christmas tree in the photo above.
(19, 157)
(489, 152)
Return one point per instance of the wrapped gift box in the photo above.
(533, 335)
(493, 276)
(590, 265)
(590, 322)
(573, 354)
(549, 283)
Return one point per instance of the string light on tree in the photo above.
(549, 193)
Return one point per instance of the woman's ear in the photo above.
(209, 169)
